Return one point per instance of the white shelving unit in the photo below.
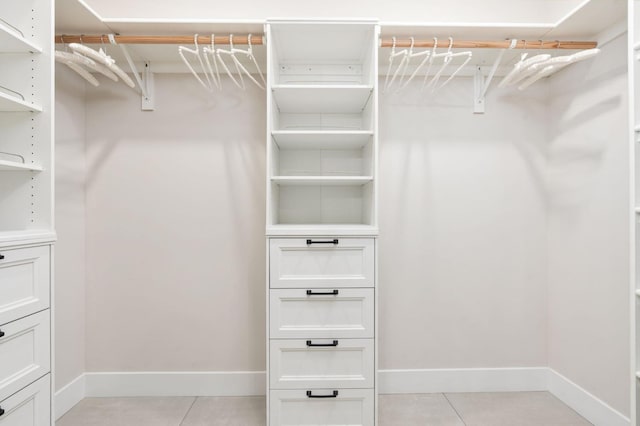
(321, 221)
(26, 212)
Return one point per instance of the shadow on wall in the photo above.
(586, 121)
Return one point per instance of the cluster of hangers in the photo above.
(211, 58)
(83, 59)
(429, 58)
(524, 73)
(527, 71)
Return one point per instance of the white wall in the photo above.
(462, 230)
(70, 227)
(175, 229)
(588, 227)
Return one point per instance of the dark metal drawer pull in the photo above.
(334, 241)
(1, 411)
(1, 333)
(1, 256)
(333, 395)
(322, 293)
(320, 345)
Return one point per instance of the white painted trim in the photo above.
(159, 383)
(463, 380)
(586, 404)
(249, 383)
(69, 395)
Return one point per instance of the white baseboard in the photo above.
(69, 395)
(463, 380)
(198, 383)
(584, 403)
(249, 383)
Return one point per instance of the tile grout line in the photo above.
(195, 398)
(454, 409)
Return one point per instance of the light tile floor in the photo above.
(451, 409)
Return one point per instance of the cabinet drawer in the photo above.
(24, 352)
(29, 407)
(301, 363)
(24, 282)
(348, 407)
(335, 313)
(312, 262)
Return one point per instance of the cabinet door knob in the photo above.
(334, 242)
(1, 411)
(320, 345)
(1, 333)
(1, 256)
(334, 394)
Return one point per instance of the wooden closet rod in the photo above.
(256, 39)
(503, 44)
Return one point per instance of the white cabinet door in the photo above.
(297, 407)
(24, 352)
(303, 313)
(29, 407)
(321, 262)
(24, 282)
(321, 363)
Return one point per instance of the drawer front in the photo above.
(348, 407)
(297, 365)
(24, 282)
(24, 352)
(29, 407)
(296, 264)
(330, 313)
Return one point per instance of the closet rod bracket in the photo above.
(147, 97)
(478, 91)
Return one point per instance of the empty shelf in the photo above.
(11, 41)
(322, 180)
(12, 103)
(337, 99)
(14, 166)
(321, 139)
(333, 229)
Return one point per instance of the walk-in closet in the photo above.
(344, 213)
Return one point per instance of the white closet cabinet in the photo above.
(321, 222)
(26, 211)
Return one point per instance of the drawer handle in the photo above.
(1, 257)
(1, 411)
(320, 345)
(332, 395)
(322, 293)
(1, 333)
(334, 242)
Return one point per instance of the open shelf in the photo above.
(12, 41)
(14, 166)
(321, 180)
(309, 98)
(12, 103)
(321, 139)
(311, 230)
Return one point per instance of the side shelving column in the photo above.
(322, 161)
(26, 212)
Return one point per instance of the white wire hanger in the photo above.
(195, 52)
(427, 55)
(556, 64)
(210, 52)
(388, 83)
(448, 57)
(241, 69)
